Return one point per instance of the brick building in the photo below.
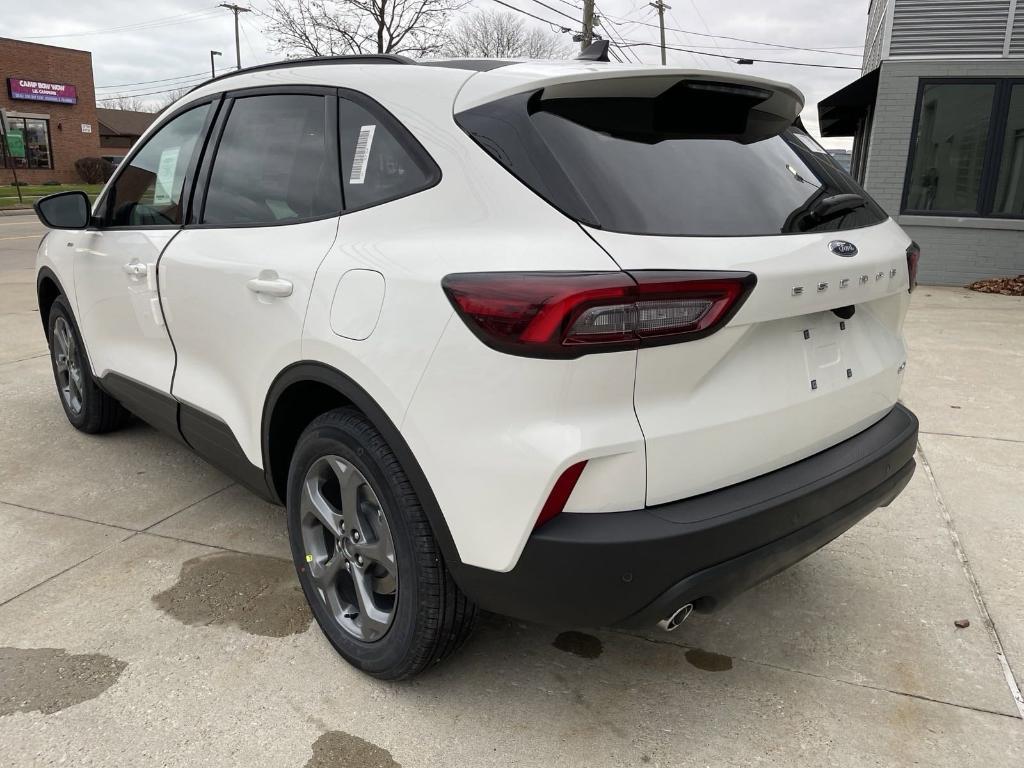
(938, 124)
(49, 101)
(120, 129)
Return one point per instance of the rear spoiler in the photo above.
(590, 79)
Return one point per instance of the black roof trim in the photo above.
(475, 65)
(362, 58)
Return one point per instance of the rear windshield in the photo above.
(683, 163)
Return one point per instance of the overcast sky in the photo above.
(172, 38)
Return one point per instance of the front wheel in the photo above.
(366, 558)
(87, 407)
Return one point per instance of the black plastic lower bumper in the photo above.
(635, 568)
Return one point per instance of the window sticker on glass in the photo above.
(358, 174)
(165, 176)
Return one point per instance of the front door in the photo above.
(235, 285)
(116, 262)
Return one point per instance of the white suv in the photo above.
(576, 342)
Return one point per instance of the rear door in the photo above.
(695, 175)
(235, 285)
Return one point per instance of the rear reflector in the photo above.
(913, 257)
(560, 493)
(568, 314)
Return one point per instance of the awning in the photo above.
(840, 113)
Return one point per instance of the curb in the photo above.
(17, 211)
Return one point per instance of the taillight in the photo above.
(568, 314)
(560, 493)
(913, 257)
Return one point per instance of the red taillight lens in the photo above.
(913, 257)
(568, 314)
(560, 493)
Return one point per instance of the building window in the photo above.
(1009, 200)
(967, 150)
(35, 133)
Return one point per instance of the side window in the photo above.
(379, 160)
(273, 163)
(147, 192)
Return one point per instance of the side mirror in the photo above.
(64, 210)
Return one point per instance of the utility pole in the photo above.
(237, 9)
(213, 71)
(588, 24)
(660, 5)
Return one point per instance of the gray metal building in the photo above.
(938, 124)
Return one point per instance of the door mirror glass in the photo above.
(64, 210)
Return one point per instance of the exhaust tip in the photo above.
(673, 621)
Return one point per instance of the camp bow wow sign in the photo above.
(33, 90)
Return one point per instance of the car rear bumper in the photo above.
(636, 568)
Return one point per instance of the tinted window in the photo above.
(949, 151)
(1010, 190)
(273, 163)
(681, 163)
(379, 160)
(148, 190)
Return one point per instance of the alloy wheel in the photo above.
(348, 548)
(69, 365)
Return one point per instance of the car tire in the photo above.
(365, 553)
(87, 407)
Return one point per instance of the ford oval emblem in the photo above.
(842, 248)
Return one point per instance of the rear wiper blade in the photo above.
(833, 205)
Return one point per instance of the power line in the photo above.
(532, 16)
(555, 10)
(707, 29)
(252, 51)
(743, 39)
(724, 56)
(608, 27)
(116, 96)
(150, 82)
(165, 21)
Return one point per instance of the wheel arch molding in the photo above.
(300, 393)
(48, 288)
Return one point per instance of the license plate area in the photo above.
(824, 340)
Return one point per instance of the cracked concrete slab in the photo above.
(982, 484)
(133, 478)
(233, 519)
(215, 695)
(966, 362)
(875, 607)
(36, 545)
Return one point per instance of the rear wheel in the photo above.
(365, 554)
(87, 407)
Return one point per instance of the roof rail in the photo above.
(357, 58)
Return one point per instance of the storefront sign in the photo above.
(15, 144)
(32, 90)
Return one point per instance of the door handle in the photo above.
(270, 286)
(135, 269)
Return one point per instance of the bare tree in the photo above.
(167, 99)
(129, 103)
(331, 27)
(502, 34)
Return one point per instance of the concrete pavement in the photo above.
(149, 614)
